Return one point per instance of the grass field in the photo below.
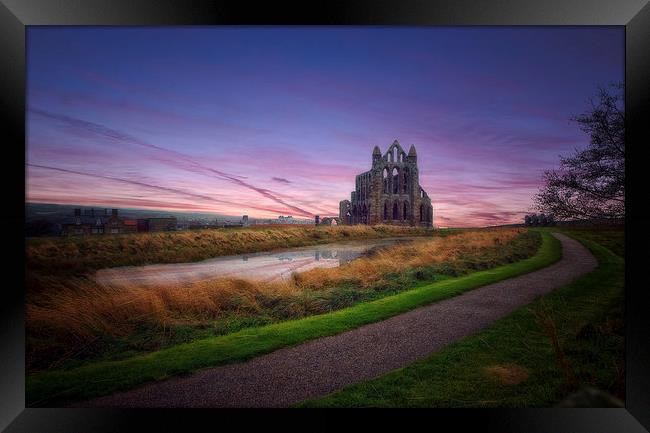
(99, 378)
(76, 320)
(514, 363)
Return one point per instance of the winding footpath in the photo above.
(321, 366)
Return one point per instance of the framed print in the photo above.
(421, 206)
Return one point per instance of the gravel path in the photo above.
(318, 367)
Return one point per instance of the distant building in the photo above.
(286, 219)
(161, 224)
(114, 224)
(143, 224)
(90, 222)
(244, 221)
(317, 219)
(130, 226)
(93, 222)
(329, 221)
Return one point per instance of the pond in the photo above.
(264, 266)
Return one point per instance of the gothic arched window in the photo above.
(385, 180)
(395, 180)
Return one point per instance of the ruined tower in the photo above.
(389, 193)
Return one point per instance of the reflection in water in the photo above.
(266, 266)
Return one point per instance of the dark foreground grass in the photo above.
(513, 363)
(53, 387)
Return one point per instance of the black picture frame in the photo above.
(15, 15)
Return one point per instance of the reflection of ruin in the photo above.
(330, 254)
(389, 193)
(344, 256)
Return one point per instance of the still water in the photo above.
(265, 266)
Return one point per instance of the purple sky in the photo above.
(270, 121)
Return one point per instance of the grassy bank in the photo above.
(82, 254)
(76, 320)
(514, 363)
(102, 378)
(70, 319)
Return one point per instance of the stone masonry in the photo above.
(389, 193)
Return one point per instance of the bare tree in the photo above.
(590, 184)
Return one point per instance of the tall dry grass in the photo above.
(79, 255)
(367, 270)
(74, 311)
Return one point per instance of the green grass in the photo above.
(611, 238)
(587, 315)
(48, 388)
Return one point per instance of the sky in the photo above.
(270, 121)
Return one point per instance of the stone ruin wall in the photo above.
(389, 193)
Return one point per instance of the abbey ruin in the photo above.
(389, 193)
